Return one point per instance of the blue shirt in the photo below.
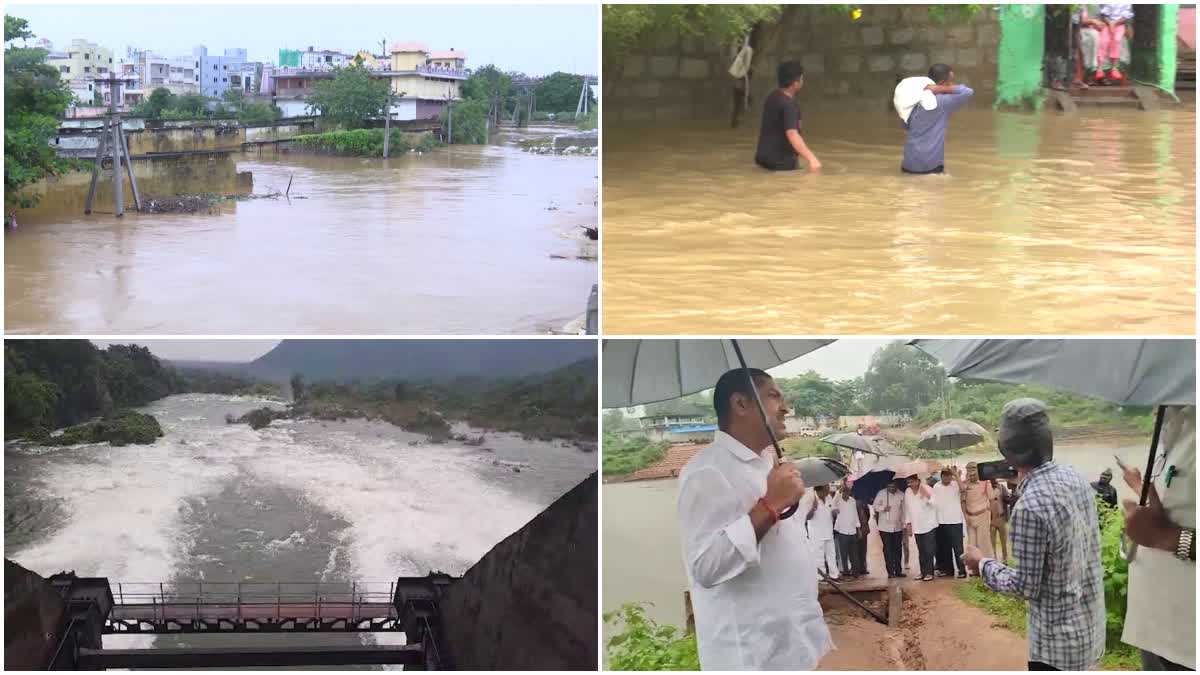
(925, 144)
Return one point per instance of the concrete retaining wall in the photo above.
(33, 617)
(849, 65)
(530, 603)
(82, 143)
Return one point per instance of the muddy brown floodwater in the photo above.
(456, 241)
(1044, 223)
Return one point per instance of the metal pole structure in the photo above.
(449, 121)
(137, 197)
(579, 107)
(118, 192)
(101, 146)
(387, 122)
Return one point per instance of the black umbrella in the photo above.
(1157, 372)
(869, 484)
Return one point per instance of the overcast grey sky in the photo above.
(237, 351)
(534, 39)
(842, 360)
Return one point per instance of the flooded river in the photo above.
(295, 502)
(455, 241)
(642, 556)
(1044, 223)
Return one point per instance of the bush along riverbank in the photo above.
(366, 142)
(410, 418)
(121, 428)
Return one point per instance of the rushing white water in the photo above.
(297, 501)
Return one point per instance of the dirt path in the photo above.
(938, 631)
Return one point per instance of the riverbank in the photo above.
(467, 231)
(433, 419)
(365, 143)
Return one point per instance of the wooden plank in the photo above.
(895, 603)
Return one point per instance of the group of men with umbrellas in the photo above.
(747, 554)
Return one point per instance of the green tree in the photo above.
(492, 86)
(235, 98)
(469, 124)
(694, 404)
(351, 99)
(901, 377)
(159, 100)
(560, 92)
(258, 113)
(34, 98)
(190, 104)
(624, 25)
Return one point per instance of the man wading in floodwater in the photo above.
(779, 140)
(925, 141)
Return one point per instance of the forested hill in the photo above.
(50, 384)
(419, 359)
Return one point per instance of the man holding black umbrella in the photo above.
(889, 520)
(750, 570)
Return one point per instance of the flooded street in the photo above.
(643, 561)
(455, 241)
(300, 501)
(1044, 223)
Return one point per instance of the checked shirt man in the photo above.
(1056, 544)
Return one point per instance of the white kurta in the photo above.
(755, 601)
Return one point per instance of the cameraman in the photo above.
(1055, 543)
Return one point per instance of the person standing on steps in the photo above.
(1055, 545)
(751, 574)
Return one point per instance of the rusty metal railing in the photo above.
(253, 599)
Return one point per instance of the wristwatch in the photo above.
(1186, 548)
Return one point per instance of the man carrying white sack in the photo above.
(924, 105)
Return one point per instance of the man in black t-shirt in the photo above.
(779, 140)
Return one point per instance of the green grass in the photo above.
(1010, 613)
(626, 454)
(1008, 610)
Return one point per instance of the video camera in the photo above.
(998, 469)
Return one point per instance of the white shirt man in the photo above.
(820, 530)
(755, 600)
(947, 500)
(889, 511)
(889, 520)
(920, 512)
(847, 516)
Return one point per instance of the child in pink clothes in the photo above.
(1112, 26)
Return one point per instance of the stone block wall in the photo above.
(849, 65)
(530, 603)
